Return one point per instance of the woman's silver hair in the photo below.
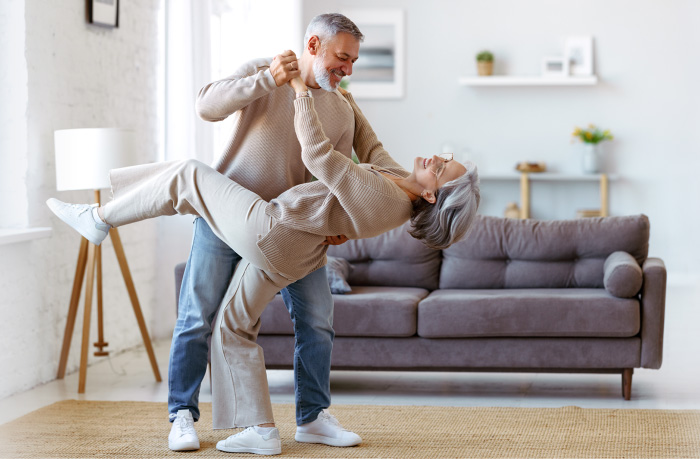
(327, 26)
(447, 221)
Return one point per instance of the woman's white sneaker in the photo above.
(251, 441)
(182, 436)
(80, 218)
(326, 430)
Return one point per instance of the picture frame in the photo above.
(379, 71)
(103, 13)
(579, 54)
(555, 66)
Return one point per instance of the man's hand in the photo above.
(284, 67)
(336, 240)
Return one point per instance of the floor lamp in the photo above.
(83, 160)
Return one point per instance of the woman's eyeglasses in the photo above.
(446, 158)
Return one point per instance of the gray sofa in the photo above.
(573, 296)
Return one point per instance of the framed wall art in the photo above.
(379, 71)
(579, 53)
(102, 12)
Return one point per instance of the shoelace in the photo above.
(329, 418)
(80, 208)
(244, 431)
(186, 425)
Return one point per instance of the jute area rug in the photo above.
(84, 429)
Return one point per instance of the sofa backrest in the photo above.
(509, 253)
(392, 259)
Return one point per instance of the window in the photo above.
(242, 30)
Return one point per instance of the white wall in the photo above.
(76, 75)
(646, 58)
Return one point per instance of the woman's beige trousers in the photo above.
(237, 216)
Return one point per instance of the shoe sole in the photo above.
(265, 452)
(184, 447)
(57, 211)
(312, 438)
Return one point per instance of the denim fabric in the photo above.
(310, 305)
(206, 279)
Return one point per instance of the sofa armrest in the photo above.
(653, 303)
(622, 276)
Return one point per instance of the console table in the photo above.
(528, 178)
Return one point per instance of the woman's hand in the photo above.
(298, 85)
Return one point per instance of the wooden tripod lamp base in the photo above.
(89, 261)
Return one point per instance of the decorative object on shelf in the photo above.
(484, 63)
(588, 213)
(102, 12)
(590, 139)
(531, 167)
(578, 51)
(380, 71)
(555, 66)
(512, 210)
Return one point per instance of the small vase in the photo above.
(590, 158)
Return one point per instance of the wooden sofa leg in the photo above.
(627, 383)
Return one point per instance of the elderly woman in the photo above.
(283, 240)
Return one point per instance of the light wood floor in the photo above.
(676, 385)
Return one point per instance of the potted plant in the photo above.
(484, 63)
(590, 139)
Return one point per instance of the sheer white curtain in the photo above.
(187, 69)
(207, 40)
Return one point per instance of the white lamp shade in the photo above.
(84, 157)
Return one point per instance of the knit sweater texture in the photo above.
(350, 199)
(263, 153)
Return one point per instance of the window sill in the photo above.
(13, 235)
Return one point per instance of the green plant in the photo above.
(344, 83)
(592, 135)
(484, 56)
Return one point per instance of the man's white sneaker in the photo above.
(80, 218)
(327, 430)
(250, 441)
(182, 436)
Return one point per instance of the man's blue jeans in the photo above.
(207, 275)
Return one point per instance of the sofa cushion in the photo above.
(622, 275)
(527, 313)
(366, 311)
(392, 259)
(509, 253)
(337, 270)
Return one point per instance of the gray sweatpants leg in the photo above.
(240, 394)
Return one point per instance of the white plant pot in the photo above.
(590, 158)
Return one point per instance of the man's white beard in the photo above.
(323, 76)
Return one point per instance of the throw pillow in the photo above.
(622, 275)
(338, 270)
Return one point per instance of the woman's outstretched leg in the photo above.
(235, 214)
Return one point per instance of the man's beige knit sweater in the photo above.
(263, 153)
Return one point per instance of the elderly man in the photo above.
(264, 155)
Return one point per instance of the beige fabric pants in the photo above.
(237, 216)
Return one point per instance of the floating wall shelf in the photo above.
(504, 80)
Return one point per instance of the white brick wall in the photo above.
(76, 75)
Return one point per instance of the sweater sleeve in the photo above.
(366, 144)
(321, 159)
(220, 99)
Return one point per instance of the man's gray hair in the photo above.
(442, 224)
(327, 26)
